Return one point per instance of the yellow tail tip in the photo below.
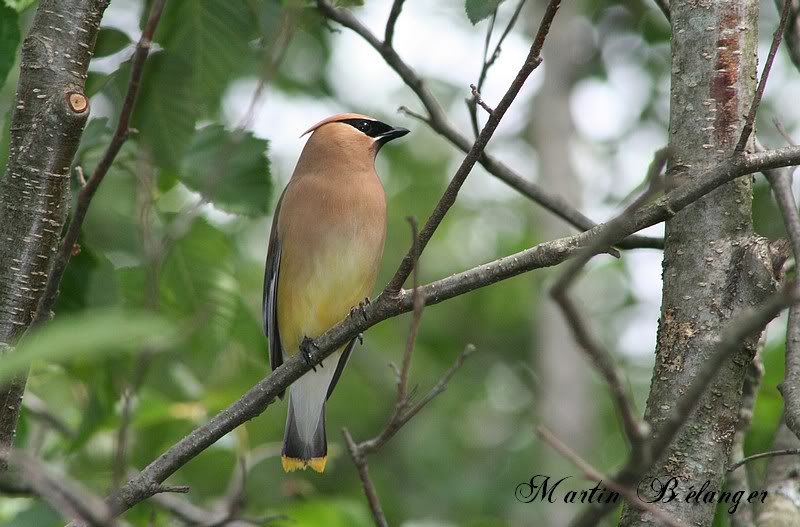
(317, 464)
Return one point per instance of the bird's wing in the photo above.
(270, 305)
(340, 367)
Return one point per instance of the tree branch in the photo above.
(391, 22)
(546, 254)
(762, 83)
(50, 111)
(88, 191)
(762, 455)
(438, 121)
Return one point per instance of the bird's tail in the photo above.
(304, 443)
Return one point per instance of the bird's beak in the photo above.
(394, 133)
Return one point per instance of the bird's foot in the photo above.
(362, 308)
(306, 346)
(360, 338)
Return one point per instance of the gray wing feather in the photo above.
(270, 301)
(271, 307)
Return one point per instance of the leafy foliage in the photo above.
(478, 10)
(230, 169)
(167, 111)
(210, 38)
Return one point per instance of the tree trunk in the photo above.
(50, 111)
(713, 263)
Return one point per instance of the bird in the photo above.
(324, 252)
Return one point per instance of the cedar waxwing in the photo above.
(324, 252)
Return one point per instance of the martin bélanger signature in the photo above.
(663, 489)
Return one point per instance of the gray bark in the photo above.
(50, 112)
(713, 263)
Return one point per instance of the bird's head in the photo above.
(354, 132)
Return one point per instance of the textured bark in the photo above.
(50, 112)
(713, 264)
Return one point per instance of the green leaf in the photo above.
(212, 36)
(349, 3)
(19, 5)
(90, 334)
(110, 41)
(477, 10)
(9, 40)
(230, 169)
(166, 112)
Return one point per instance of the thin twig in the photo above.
(88, 191)
(391, 22)
(595, 475)
(476, 96)
(772, 453)
(762, 83)
(360, 461)
(499, 47)
(81, 176)
(472, 102)
(418, 299)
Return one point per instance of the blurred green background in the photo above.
(179, 228)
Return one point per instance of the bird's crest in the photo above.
(337, 117)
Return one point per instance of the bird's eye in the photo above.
(364, 126)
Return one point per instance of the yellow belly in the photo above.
(318, 289)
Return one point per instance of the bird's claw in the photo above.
(305, 348)
(360, 338)
(361, 308)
